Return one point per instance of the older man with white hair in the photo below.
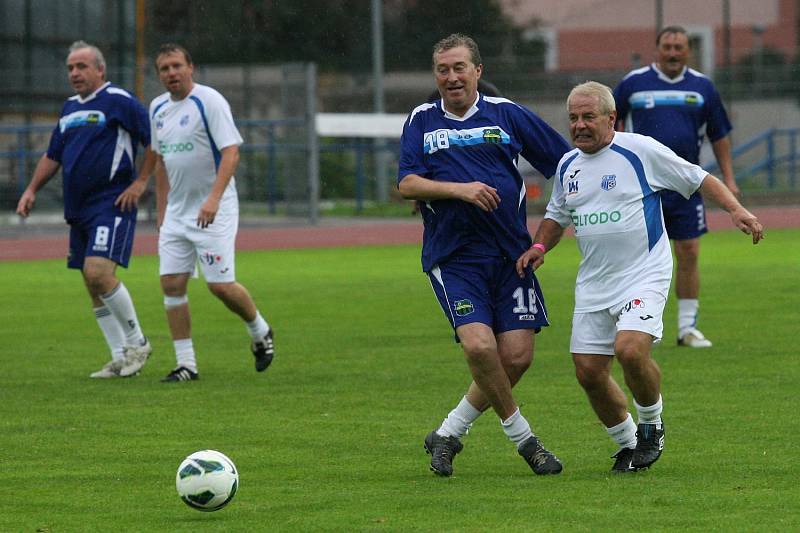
(608, 189)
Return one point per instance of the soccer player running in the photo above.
(676, 106)
(94, 143)
(459, 156)
(198, 209)
(608, 188)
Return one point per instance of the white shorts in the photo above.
(181, 245)
(595, 332)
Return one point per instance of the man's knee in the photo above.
(99, 279)
(223, 291)
(174, 284)
(630, 351)
(517, 363)
(589, 376)
(687, 252)
(477, 348)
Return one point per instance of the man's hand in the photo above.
(129, 199)
(748, 223)
(25, 203)
(479, 194)
(207, 212)
(533, 257)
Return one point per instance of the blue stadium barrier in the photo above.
(264, 136)
(779, 146)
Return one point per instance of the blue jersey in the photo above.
(484, 146)
(95, 142)
(677, 112)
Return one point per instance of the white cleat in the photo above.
(109, 370)
(693, 338)
(135, 358)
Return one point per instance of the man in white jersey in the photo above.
(608, 189)
(197, 144)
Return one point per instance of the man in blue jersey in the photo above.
(197, 146)
(608, 189)
(94, 143)
(459, 157)
(678, 106)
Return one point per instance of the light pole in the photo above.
(381, 190)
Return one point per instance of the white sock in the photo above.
(112, 331)
(650, 414)
(459, 420)
(184, 354)
(624, 433)
(517, 428)
(258, 327)
(687, 315)
(120, 304)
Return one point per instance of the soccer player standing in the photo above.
(678, 106)
(94, 143)
(459, 157)
(198, 209)
(608, 189)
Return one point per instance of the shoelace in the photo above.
(445, 451)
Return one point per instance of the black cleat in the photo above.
(538, 458)
(263, 351)
(622, 465)
(649, 445)
(442, 451)
(180, 374)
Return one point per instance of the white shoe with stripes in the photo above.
(135, 358)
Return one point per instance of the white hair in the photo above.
(597, 90)
(99, 60)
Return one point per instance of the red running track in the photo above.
(24, 245)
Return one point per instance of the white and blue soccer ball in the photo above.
(207, 480)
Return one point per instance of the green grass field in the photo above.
(330, 437)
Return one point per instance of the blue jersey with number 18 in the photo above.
(484, 145)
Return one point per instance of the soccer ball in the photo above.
(207, 480)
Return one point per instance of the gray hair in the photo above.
(597, 90)
(454, 41)
(99, 60)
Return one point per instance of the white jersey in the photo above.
(611, 197)
(189, 135)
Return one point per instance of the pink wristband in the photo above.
(539, 246)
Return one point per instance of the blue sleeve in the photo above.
(56, 146)
(135, 121)
(411, 150)
(542, 146)
(717, 124)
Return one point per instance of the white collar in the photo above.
(666, 78)
(471, 111)
(91, 96)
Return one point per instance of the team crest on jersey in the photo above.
(493, 135)
(572, 187)
(463, 307)
(609, 182)
(184, 120)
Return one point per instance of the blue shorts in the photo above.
(684, 219)
(473, 288)
(106, 234)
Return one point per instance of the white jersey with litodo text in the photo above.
(612, 199)
(189, 135)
